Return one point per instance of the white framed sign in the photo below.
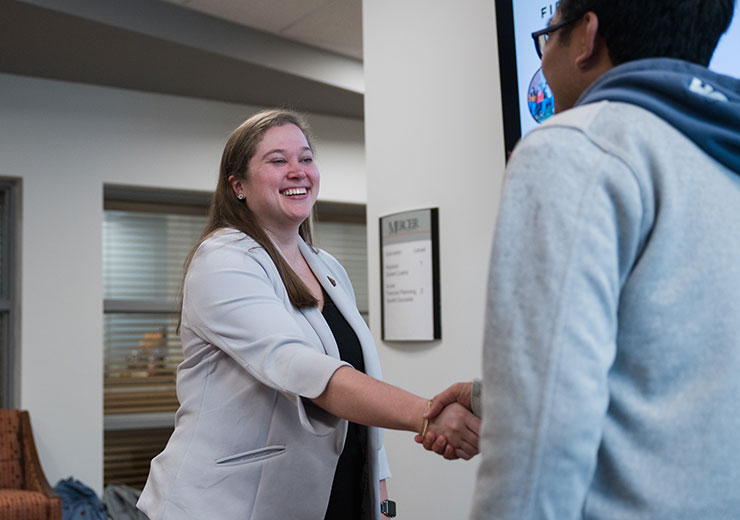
(409, 276)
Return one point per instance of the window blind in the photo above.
(128, 454)
(8, 353)
(347, 242)
(5, 372)
(143, 256)
(3, 234)
(142, 352)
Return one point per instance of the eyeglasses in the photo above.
(540, 37)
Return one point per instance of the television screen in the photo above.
(527, 99)
(725, 59)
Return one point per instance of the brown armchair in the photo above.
(25, 494)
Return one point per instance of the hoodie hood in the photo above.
(701, 104)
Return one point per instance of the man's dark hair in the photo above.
(634, 29)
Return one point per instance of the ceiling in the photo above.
(333, 25)
(241, 51)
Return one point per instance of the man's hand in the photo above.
(457, 393)
(453, 433)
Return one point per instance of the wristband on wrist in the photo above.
(425, 425)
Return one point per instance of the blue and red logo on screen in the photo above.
(539, 98)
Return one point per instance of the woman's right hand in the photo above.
(453, 433)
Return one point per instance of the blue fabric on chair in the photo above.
(79, 502)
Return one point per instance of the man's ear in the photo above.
(591, 44)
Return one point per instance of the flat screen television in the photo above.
(527, 100)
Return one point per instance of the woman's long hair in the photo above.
(228, 211)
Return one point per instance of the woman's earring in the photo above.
(240, 196)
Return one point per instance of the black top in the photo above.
(348, 488)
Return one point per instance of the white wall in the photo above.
(65, 141)
(434, 138)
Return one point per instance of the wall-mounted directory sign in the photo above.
(409, 275)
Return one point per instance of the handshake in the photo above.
(450, 427)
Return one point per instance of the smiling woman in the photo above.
(283, 181)
(280, 391)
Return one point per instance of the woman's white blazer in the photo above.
(248, 441)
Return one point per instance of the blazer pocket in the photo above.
(247, 457)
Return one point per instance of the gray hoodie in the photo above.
(611, 356)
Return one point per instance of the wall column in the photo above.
(434, 138)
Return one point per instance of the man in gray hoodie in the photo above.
(611, 383)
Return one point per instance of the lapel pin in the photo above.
(333, 282)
